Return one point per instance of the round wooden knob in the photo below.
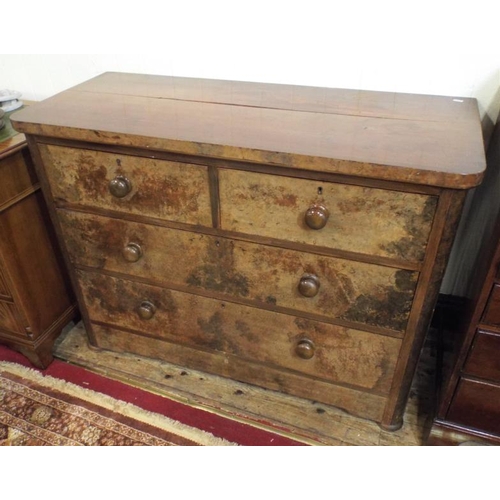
(146, 310)
(305, 349)
(317, 217)
(309, 285)
(120, 186)
(132, 252)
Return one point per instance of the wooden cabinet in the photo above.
(289, 237)
(36, 298)
(469, 403)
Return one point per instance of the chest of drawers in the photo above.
(36, 299)
(289, 237)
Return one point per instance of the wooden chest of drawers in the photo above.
(36, 299)
(284, 236)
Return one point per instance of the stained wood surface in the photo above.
(418, 139)
(349, 290)
(160, 189)
(4, 289)
(365, 220)
(304, 419)
(352, 357)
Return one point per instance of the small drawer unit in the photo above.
(254, 239)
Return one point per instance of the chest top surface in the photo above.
(422, 139)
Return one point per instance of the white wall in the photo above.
(432, 47)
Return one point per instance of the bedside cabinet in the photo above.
(289, 237)
(36, 298)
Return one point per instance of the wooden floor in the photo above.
(308, 421)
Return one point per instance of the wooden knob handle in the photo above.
(317, 217)
(132, 252)
(309, 285)
(146, 310)
(305, 349)
(120, 186)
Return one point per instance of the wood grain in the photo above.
(349, 290)
(446, 151)
(161, 189)
(346, 356)
(365, 220)
(483, 360)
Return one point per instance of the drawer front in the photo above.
(9, 318)
(492, 312)
(161, 189)
(477, 405)
(327, 286)
(365, 220)
(484, 357)
(338, 354)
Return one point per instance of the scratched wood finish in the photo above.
(341, 355)
(440, 144)
(365, 220)
(430, 149)
(349, 290)
(163, 189)
(355, 402)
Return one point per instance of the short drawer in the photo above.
(155, 188)
(316, 349)
(332, 287)
(9, 318)
(491, 314)
(477, 405)
(484, 358)
(357, 219)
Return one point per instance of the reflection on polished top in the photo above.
(436, 139)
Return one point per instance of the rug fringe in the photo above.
(128, 409)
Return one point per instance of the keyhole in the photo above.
(320, 190)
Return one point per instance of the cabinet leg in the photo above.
(41, 357)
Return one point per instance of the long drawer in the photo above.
(477, 405)
(156, 188)
(331, 287)
(484, 357)
(346, 217)
(312, 348)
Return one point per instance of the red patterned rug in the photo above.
(68, 405)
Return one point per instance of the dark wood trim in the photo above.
(438, 250)
(443, 433)
(47, 193)
(21, 196)
(213, 184)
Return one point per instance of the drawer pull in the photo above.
(146, 310)
(132, 252)
(317, 217)
(120, 186)
(309, 285)
(305, 349)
